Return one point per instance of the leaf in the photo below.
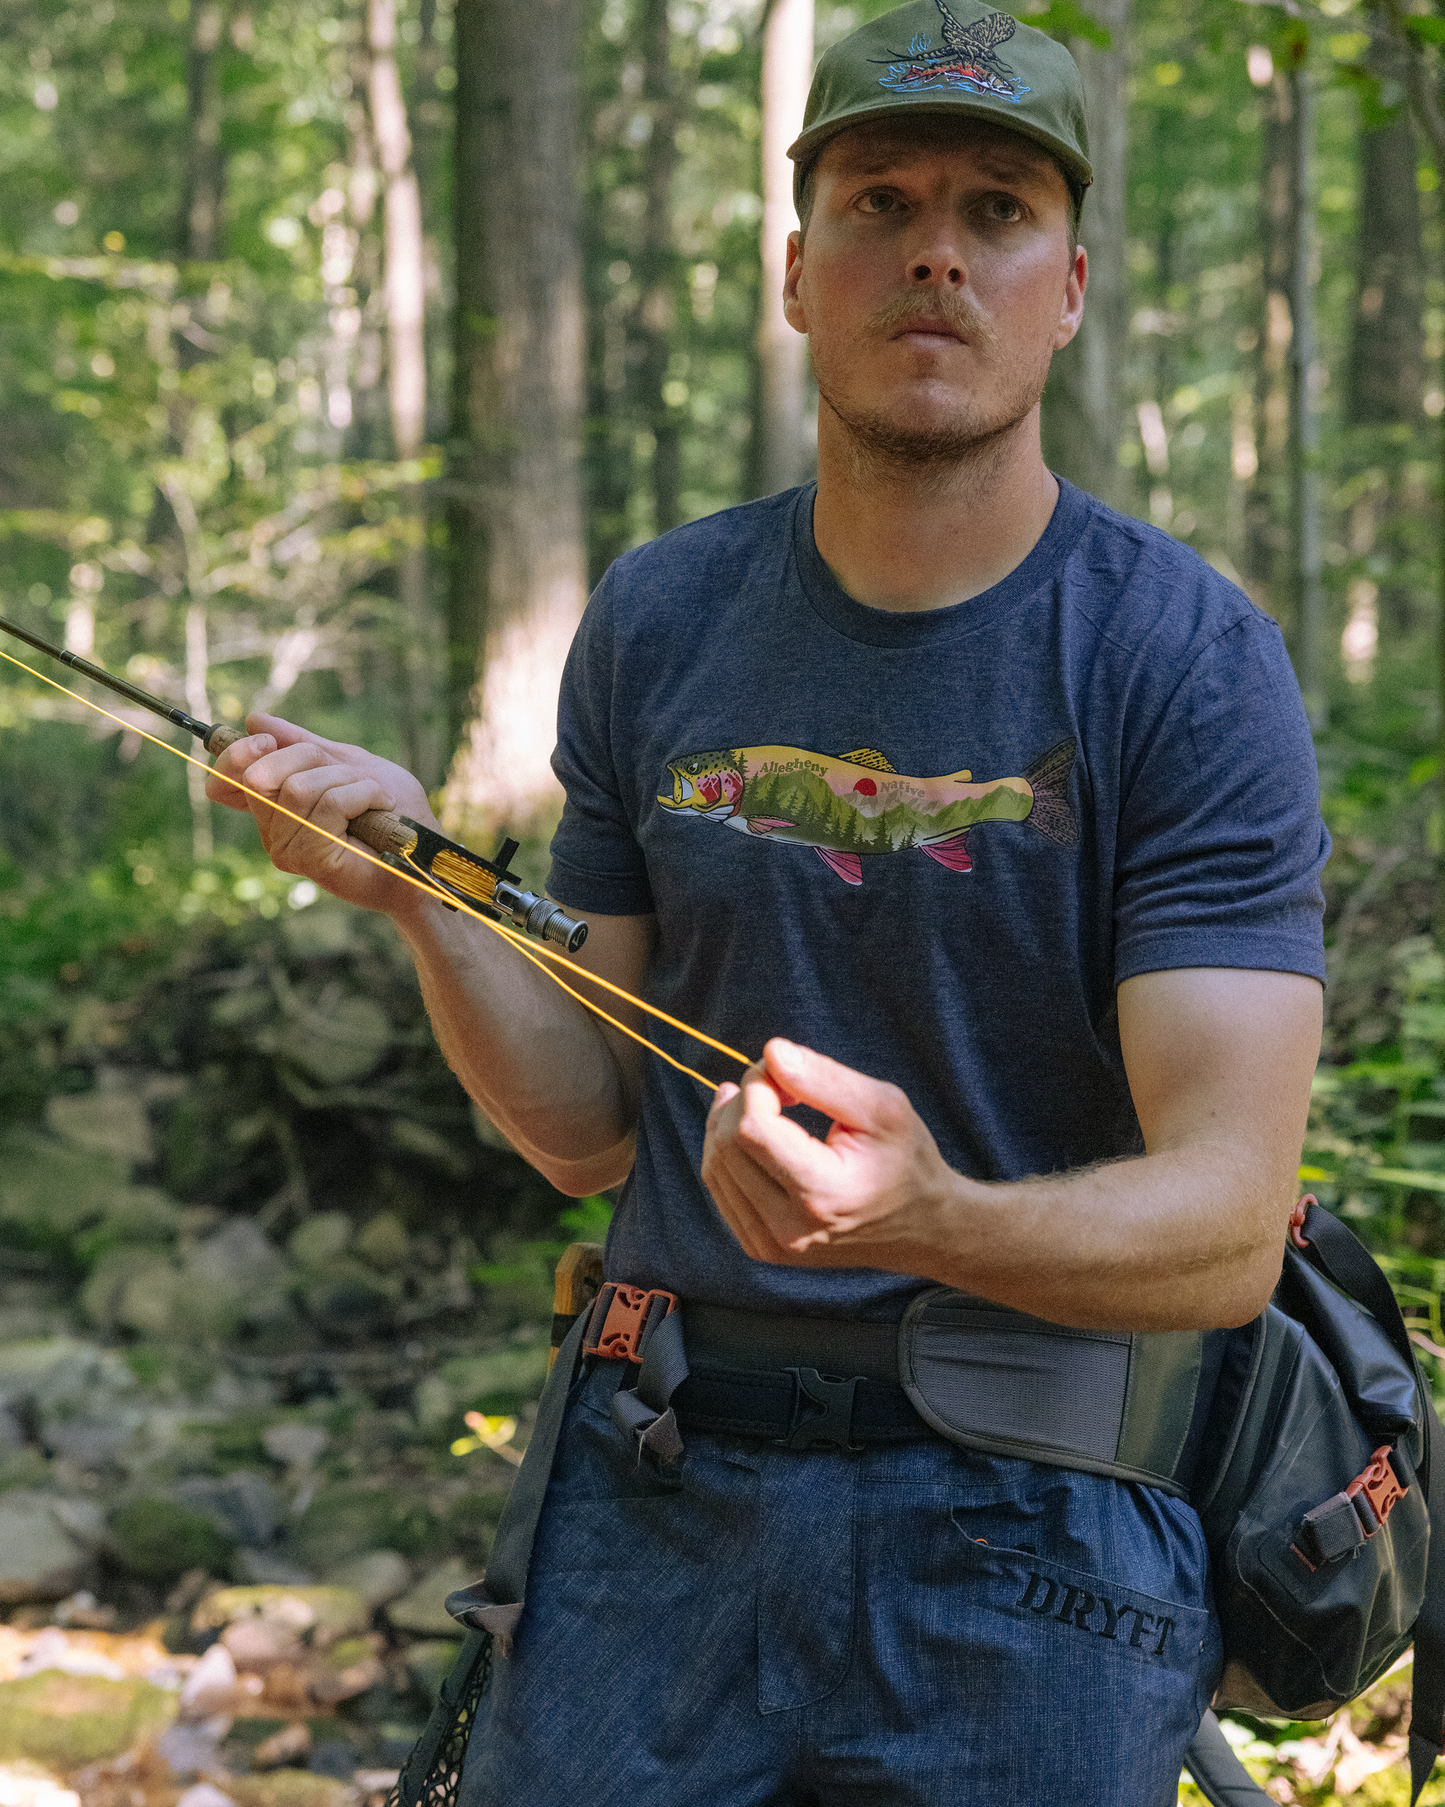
(1067, 19)
(1404, 1176)
(1426, 27)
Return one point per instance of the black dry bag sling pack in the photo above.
(1316, 1505)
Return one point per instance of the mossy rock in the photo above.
(345, 1521)
(430, 1662)
(289, 1788)
(70, 1720)
(158, 1540)
(336, 1613)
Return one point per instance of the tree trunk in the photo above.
(519, 562)
(1267, 538)
(1083, 406)
(1304, 417)
(784, 455)
(204, 184)
(658, 272)
(1386, 372)
(1387, 353)
(406, 382)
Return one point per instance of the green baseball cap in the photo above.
(960, 58)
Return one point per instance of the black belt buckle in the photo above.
(830, 1426)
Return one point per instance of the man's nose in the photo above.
(939, 263)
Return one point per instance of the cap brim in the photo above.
(807, 145)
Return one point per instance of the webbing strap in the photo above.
(495, 1602)
(1427, 1693)
(1218, 1774)
(1340, 1256)
(644, 1413)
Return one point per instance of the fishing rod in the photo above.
(448, 867)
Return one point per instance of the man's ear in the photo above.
(792, 304)
(1071, 313)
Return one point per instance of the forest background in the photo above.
(343, 343)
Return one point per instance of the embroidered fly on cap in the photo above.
(956, 59)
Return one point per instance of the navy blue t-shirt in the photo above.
(930, 845)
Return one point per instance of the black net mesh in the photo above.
(432, 1776)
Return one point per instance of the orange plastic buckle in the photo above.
(1374, 1492)
(1297, 1220)
(621, 1319)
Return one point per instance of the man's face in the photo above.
(936, 282)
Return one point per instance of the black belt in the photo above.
(798, 1408)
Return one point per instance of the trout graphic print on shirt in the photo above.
(856, 806)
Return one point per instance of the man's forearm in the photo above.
(535, 1061)
(1180, 1239)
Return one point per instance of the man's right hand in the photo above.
(328, 783)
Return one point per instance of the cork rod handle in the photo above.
(379, 828)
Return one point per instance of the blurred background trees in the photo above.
(343, 345)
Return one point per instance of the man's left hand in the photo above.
(876, 1193)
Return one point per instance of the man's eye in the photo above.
(879, 200)
(1003, 208)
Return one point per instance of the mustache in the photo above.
(957, 313)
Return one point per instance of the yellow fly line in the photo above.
(537, 955)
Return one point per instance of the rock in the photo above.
(60, 1373)
(352, 1301)
(297, 1445)
(422, 1609)
(39, 1558)
(84, 1611)
(241, 1260)
(158, 1540)
(190, 1750)
(69, 1720)
(345, 1670)
(89, 1440)
(333, 1757)
(108, 1120)
(83, 1519)
(259, 1644)
(213, 1676)
(265, 1566)
(336, 1045)
(321, 1614)
(244, 1505)
(205, 1794)
(53, 1650)
(376, 1784)
(430, 1662)
(292, 1744)
(25, 1784)
(319, 1240)
(290, 1788)
(378, 1576)
(345, 1521)
(384, 1242)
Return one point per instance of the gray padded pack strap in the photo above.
(495, 1603)
(1108, 1402)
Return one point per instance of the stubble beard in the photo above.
(977, 436)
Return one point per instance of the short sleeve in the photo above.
(1221, 844)
(596, 861)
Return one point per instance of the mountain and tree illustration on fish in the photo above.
(856, 806)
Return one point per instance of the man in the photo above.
(1022, 899)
